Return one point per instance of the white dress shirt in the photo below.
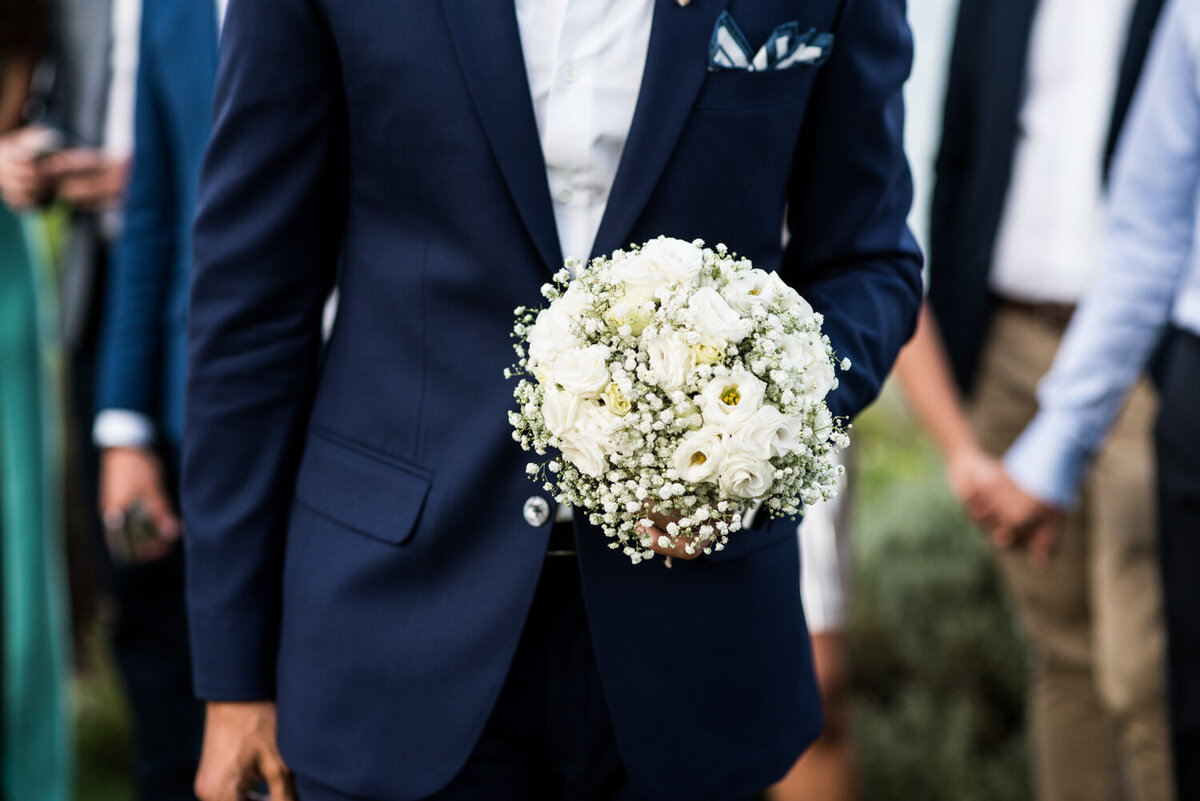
(1047, 243)
(585, 60)
(1149, 276)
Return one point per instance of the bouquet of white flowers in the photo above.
(680, 385)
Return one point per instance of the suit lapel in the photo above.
(676, 64)
(488, 44)
(1141, 31)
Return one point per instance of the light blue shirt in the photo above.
(1149, 276)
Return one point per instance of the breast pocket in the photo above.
(735, 90)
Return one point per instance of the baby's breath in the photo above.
(611, 422)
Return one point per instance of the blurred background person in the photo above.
(79, 156)
(1149, 284)
(1036, 98)
(143, 344)
(826, 771)
(35, 746)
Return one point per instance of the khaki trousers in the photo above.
(1093, 617)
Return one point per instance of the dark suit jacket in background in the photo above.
(143, 341)
(356, 544)
(985, 91)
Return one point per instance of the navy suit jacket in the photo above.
(988, 68)
(143, 340)
(356, 545)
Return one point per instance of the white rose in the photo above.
(746, 291)
(714, 318)
(742, 474)
(560, 408)
(673, 259)
(770, 433)
(671, 359)
(551, 332)
(819, 378)
(588, 444)
(732, 399)
(639, 279)
(698, 455)
(784, 297)
(823, 424)
(583, 371)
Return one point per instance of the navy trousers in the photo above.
(550, 736)
(1178, 445)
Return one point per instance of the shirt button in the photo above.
(537, 511)
(570, 72)
(564, 195)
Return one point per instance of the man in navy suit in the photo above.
(376, 607)
(142, 358)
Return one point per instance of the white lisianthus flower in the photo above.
(583, 371)
(699, 455)
(715, 319)
(560, 408)
(742, 474)
(747, 290)
(801, 350)
(730, 400)
(671, 360)
(551, 335)
(770, 432)
(589, 443)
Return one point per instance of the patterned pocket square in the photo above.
(785, 47)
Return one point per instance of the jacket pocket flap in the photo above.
(361, 489)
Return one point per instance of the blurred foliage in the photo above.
(101, 727)
(938, 670)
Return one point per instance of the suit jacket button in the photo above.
(537, 511)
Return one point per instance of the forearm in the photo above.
(924, 375)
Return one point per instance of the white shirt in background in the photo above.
(584, 59)
(1050, 233)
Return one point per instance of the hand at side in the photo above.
(240, 750)
(133, 477)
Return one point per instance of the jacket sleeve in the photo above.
(850, 252)
(267, 235)
(131, 347)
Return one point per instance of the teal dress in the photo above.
(36, 741)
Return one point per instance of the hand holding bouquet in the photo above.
(681, 384)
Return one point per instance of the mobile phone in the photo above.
(137, 528)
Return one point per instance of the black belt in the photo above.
(562, 540)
